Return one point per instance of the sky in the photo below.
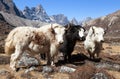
(79, 9)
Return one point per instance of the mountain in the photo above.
(87, 19)
(9, 7)
(74, 21)
(60, 19)
(36, 13)
(110, 22)
(5, 28)
(39, 14)
(18, 21)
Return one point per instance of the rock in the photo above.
(99, 76)
(30, 69)
(3, 72)
(27, 61)
(66, 69)
(47, 69)
(102, 74)
(108, 65)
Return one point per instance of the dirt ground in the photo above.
(106, 67)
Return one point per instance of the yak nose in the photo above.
(83, 38)
(102, 40)
(61, 42)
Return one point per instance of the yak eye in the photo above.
(104, 32)
(53, 31)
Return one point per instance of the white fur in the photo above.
(36, 40)
(93, 42)
(81, 33)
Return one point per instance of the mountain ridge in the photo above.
(110, 22)
(9, 6)
(38, 13)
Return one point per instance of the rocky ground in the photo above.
(107, 67)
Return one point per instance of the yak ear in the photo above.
(91, 31)
(52, 29)
(106, 29)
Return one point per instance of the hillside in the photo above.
(8, 6)
(18, 21)
(110, 22)
(5, 28)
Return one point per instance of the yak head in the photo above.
(96, 34)
(58, 31)
(76, 32)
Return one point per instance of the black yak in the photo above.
(73, 34)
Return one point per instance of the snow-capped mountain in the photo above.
(60, 19)
(74, 21)
(36, 13)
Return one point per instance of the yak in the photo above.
(45, 39)
(94, 40)
(73, 34)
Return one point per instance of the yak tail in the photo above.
(9, 48)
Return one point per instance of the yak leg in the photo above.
(93, 52)
(65, 57)
(97, 55)
(15, 56)
(93, 55)
(53, 53)
(48, 58)
(52, 61)
(90, 54)
(69, 57)
(43, 56)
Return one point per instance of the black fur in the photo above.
(70, 38)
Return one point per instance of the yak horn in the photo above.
(52, 30)
(68, 27)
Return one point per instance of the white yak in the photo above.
(94, 39)
(45, 39)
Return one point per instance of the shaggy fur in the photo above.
(73, 34)
(93, 42)
(45, 39)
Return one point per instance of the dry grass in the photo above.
(115, 74)
(84, 70)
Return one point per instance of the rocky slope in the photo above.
(109, 22)
(5, 28)
(18, 21)
(9, 7)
